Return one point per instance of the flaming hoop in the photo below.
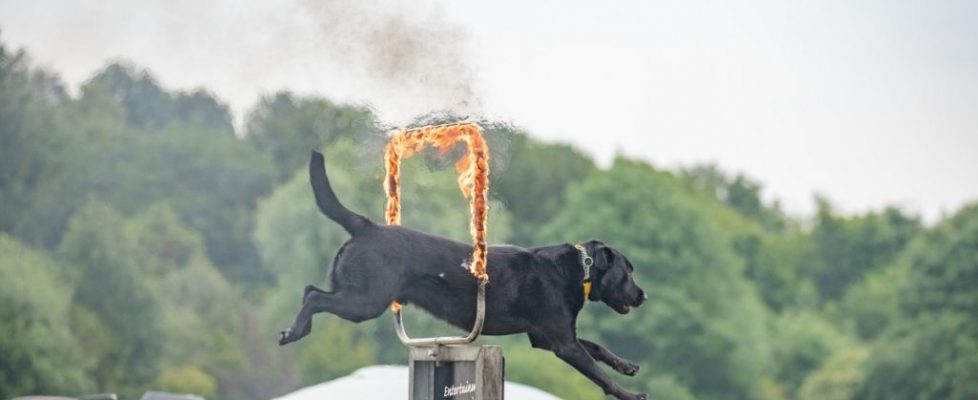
(473, 178)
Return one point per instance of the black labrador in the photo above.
(538, 291)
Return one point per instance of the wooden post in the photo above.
(456, 373)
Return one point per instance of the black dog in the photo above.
(538, 291)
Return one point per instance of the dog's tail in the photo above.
(327, 201)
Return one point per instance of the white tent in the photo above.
(389, 382)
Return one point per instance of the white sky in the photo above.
(869, 102)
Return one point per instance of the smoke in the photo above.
(410, 55)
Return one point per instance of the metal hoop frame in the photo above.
(480, 315)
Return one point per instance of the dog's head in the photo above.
(612, 278)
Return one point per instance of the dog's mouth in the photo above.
(623, 309)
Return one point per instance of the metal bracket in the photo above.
(480, 316)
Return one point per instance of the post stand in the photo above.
(443, 368)
(456, 373)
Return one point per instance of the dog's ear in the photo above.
(603, 255)
(604, 271)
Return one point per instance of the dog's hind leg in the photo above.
(600, 353)
(355, 306)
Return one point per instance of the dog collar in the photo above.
(586, 262)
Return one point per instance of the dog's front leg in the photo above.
(574, 353)
(600, 353)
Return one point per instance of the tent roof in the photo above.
(389, 382)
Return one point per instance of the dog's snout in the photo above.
(642, 296)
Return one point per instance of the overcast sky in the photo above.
(867, 102)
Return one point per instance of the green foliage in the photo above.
(28, 101)
(149, 107)
(932, 353)
(98, 144)
(188, 379)
(38, 354)
(845, 249)
(146, 104)
(873, 304)
(106, 276)
(802, 342)
(201, 311)
(933, 357)
(771, 264)
(944, 268)
(839, 377)
(287, 127)
(740, 193)
(166, 243)
(212, 181)
(532, 181)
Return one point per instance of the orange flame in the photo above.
(473, 179)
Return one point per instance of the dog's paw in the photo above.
(627, 368)
(641, 396)
(284, 337)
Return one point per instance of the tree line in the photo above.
(148, 243)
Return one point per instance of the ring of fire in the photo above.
(473, 179)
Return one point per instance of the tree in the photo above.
(943, 271)
(739, 192)
(532, 178)
(188, 379)
(201, 108)
(38, 353)
(772, 263)
(838, 378)
(151, 108)
(846, 249)
(102, 265)
(201, 311)
(873, 305)
(934, 356)
(213, 182)
(287, 127)
(29, 101)
(802, 342)
(932, 353)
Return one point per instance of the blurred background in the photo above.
(795, 183)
